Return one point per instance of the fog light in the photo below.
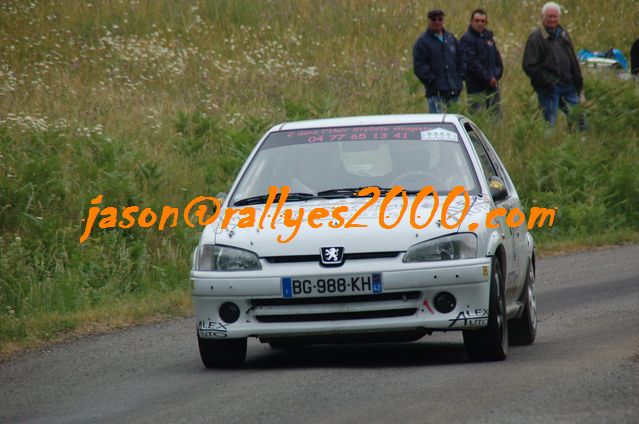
(445, 302)
(229, 312)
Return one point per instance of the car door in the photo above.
(514, 237)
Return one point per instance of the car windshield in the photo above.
(324, 161)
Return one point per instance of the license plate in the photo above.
(331, 286)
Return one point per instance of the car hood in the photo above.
(308, 240)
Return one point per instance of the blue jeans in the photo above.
(439, 104)
(560, 97)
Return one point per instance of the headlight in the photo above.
(223, 258)
(458, 246)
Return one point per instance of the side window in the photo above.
(486, 164)
(494, 158)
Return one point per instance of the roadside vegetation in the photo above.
(154, 103)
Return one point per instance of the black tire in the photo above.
(491, 342)
(285, 345)
(222, 353)
(523, 330)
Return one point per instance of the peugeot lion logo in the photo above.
(332, 256)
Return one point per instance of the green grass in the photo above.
(154, 103)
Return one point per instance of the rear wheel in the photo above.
(523, 330)
(491, 342)
(222, 353)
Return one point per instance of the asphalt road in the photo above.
(584, 367)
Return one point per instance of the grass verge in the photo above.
(53, 328)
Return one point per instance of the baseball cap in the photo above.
(435, 12)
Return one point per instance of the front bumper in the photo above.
(407, 302)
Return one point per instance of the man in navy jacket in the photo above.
(484, 67)
(438, 63)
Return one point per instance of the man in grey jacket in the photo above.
(551, 63)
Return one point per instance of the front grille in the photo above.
(362, 298)
(336, 308)
(371, 255)
(316, 258)
(337, 316)
(290, 259)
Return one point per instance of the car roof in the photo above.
(424, 118)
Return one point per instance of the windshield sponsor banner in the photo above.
(431, 132)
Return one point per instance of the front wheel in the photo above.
(222, 353)
(491, 342)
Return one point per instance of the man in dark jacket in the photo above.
(551, 63)
(438, 63)
(484, 67)
(634, 58)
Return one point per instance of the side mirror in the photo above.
(497, 189)
(221, 196)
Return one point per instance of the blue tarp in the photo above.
(615, 54)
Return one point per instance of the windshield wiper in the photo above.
(256, 200)
(409, 192)
(352, 192)
(348, 192)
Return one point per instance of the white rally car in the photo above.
(331, 233)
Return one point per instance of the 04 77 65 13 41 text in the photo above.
(292, 218)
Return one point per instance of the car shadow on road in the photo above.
(359, 355)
